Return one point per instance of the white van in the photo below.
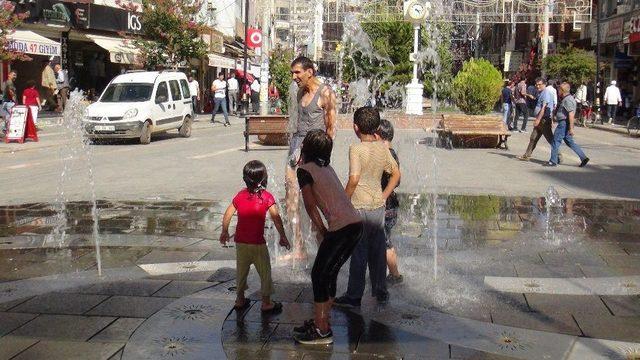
(138, 104)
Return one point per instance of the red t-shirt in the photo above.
(31, 97)
(252, 211)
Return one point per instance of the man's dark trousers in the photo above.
(543, 129)
(521, 110)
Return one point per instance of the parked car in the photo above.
(139, 104)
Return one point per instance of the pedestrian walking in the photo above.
(506, 98)
(194, 90)
(9, 97)
(218, 88)
(542, 122)
(581, 101)
(49, 85)
(252, 205)
(323, 195)
(62, 83)
(613, 99)
(368, 160)
(232, 89)
(521, 105)
(564, 129)
(255, 96)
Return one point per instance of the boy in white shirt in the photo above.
(219, 88)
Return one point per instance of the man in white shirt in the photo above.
(62, 83)
(219, 89)
(194, 89)
(551, 88)
(581, 100)
(255, 96)
(613, 99)
(232, 88)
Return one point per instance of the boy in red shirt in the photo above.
(252, 204)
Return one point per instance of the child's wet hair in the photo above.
(367, 119)
(385, 131)
(316, 147)
(255, 176)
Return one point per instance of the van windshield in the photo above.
(129, 92)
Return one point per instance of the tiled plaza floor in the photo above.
(511, 278)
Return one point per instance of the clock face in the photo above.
(416, 11)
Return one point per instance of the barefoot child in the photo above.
(385, 132)
(323, 193)
(252, 204)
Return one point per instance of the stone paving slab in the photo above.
(598, 349)
(137, 287)
(119, 331)
(610, 327)
(63, 327)
(627, 285)
(533, 270)
(345, 340)
(12, 321)
(380, 340)
(598, 271)
(130, 306)
(13, 345)
(462, 353)
(60, 303)
(178, 288)
(623, 305)
(589, 305)
(70, 350)
(551, 322)
(164, 256)
(625, 261)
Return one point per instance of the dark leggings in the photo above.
(333, 252)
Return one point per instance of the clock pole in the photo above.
(415, 11)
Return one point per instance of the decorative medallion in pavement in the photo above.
(509, 341)
(624, 353)
(409, 320)
(533, 286)
(177, 346)
(190, 266)
(192, 312)
(6, 292)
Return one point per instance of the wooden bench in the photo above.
(484, 131)
(264, 125)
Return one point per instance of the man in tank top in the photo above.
(315, 109)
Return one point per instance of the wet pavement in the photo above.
(511, 277)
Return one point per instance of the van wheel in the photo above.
(185, 129)
(145, 133)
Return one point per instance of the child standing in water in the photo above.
(252, 204)
(385, 132)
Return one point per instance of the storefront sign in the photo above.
(634, 31)
(614, 31)
(221, 61)
(34, 48)
(51, 12)
(114, 19)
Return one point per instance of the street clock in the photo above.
(415, 10)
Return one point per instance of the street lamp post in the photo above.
(597, 84)
(245, 102)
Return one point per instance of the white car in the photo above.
(138, 104)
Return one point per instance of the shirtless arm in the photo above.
(329, 106)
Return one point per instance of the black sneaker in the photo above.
(308, 324)
(584, 162)
(314, 337)
(346, 302)
(382, 298)
(392, 280)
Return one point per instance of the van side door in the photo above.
(186, 97)
(178, 106)
(162, 108)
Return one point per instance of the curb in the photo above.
(610, 128)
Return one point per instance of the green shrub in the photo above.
(476, 88)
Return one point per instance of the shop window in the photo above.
(185, 89)
(175, 90)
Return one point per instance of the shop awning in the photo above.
(120, 51)
(220, 61)
(28, 42)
